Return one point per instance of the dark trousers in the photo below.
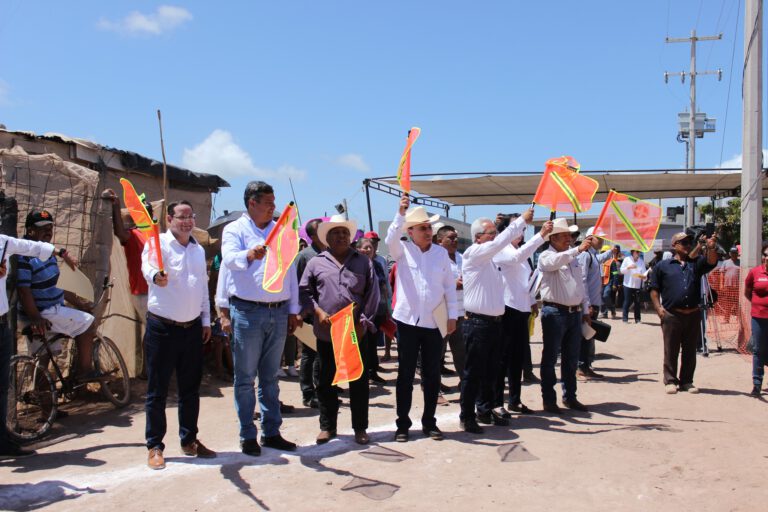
(631, 295)
(412, 341)
(328, 395)
(169, 348)
(6, 352)
(482, 345)
(587, 352)
(562, 336)
(680, 332)
(455, 341)
(309, 369)
(515, 340)
(371, 355)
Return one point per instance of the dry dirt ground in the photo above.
(637, 449)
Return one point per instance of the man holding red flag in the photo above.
(331, 281)
(260, 319)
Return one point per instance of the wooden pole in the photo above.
(165, 171)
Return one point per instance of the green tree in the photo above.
(728, 221)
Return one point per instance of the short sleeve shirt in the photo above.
(41, 276)
(758, 280)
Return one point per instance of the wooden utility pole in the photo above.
(689, 209)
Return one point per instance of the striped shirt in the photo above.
(41, 277)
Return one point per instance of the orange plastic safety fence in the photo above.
(728, 321)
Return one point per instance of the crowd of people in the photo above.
(429, 297)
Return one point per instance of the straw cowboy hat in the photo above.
(336, 221)
(418, 215)
(561, 226)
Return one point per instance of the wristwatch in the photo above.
(61, 252)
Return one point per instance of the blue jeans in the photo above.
(759, 349)
(6, 352)
(257, 348)
(172, 348)
(631, 295)
(562, 336)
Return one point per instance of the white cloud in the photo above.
(353, 161)
(5, 94)
(164, 19)
(220, 154)
(735, 162)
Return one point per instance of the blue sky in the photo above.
(325, 91)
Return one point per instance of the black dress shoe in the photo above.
(378, 379)
(552, 407)
(250, 447)
(491, 418)
(278, 443)
(575, 405)
(520, 408)
(501, 411)
(755, 392)
(444, 370)
(401, 435)
(433, 433)
(531, 378)
(471, 427)
(14, 451)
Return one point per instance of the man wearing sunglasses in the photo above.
(678, 281)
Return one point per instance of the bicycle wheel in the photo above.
(115, 385)
(32, 400)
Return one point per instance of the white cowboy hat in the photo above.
(560, 226)
(418, 215)
(336, 221)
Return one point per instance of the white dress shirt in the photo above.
(516, 273)
(41, 250)
(186, 295)
(422, 280)
(221, 300)
(456, 269)
(483, 285)
(246, 279)
(562, 281)
(630, 281)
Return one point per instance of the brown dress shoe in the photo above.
(197, 449)
(361, 437)
(324, 436)
(155, 459)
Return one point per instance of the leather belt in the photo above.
(261, 304)
(565, 309)
(685, 311)
(168, 321)
(487, 318)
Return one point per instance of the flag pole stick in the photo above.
(165, 169)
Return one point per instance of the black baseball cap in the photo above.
(38, 218)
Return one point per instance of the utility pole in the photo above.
(689, 213)
(752, 137)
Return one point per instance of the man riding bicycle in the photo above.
(42, 303)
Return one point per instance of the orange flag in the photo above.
(144, 223)
(563, 189)
(346, 350)
(629, 221)
(404, 169)
(282, 247)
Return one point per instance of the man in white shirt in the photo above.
(634, 272)
(448, 238)
(484, 305)
(260, 319)
(423, 282)
(178, 323)
(516, 273)
(565, 307)
(8, 247)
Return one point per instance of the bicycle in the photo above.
(34, 391)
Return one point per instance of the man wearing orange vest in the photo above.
(611, 283)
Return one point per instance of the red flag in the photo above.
(404, 169)
(629, 221)
(346, 350)
(144, 223)
(282, 247)
(563, 189)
